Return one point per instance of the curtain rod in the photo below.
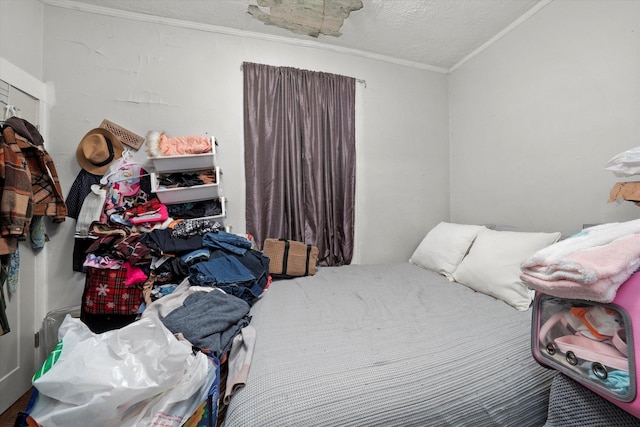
(361, 81)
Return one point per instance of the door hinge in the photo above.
(36, 339)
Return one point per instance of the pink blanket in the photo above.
(589, 266)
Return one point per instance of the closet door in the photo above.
(17, 348)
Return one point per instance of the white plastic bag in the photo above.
(626, 163)
(140, 375)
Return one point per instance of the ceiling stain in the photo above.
(306, 17)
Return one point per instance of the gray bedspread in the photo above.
(573, 405)
(388, 345)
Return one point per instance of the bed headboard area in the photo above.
(483, 259)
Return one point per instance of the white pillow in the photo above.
(444, 246)
(492, 265)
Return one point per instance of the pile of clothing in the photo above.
(126, 271)
(170, 268)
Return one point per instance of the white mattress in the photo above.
(392, 345)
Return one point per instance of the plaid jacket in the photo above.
(16, 201)
(47, 194)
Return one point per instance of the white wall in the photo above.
(147, 76)
(21, 34)
(534, 118)
(531, 120)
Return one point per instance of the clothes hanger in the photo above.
(127, 156)
(123, 162)
(9, 111)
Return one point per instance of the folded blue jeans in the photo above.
(227, 241)
(219, 271)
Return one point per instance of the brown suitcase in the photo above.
(289, 258)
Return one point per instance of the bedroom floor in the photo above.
(8, 417)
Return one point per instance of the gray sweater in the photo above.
(209, 320)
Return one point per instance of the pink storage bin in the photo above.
(604, 364)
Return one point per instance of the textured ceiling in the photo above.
(309, 17)
(432, 33)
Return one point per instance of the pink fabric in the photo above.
(602, 291)
(159, 215)
(180, 145)
(589, 264)
(135, 274)
(593, 273)
(588, 349)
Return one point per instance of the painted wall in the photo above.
(534, 118)
(21, 34)
(148, 76)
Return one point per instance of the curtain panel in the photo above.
(299, 131)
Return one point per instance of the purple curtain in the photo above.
(299, 131)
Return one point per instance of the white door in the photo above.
(17, 348)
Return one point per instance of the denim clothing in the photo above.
(247, 292)
(219, 271)
(255, 262)
(223, 271)
(198, 255)
(227, 241)
(37, 233)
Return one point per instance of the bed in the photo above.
(441, 340)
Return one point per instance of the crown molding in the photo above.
(70, 4)
(501, 34)
(83, 7)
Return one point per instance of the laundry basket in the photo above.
(51, 324)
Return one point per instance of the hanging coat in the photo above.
(47, 194)
(16, 201)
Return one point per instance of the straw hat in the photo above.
(97, 150)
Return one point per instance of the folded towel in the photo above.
(590, 265)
